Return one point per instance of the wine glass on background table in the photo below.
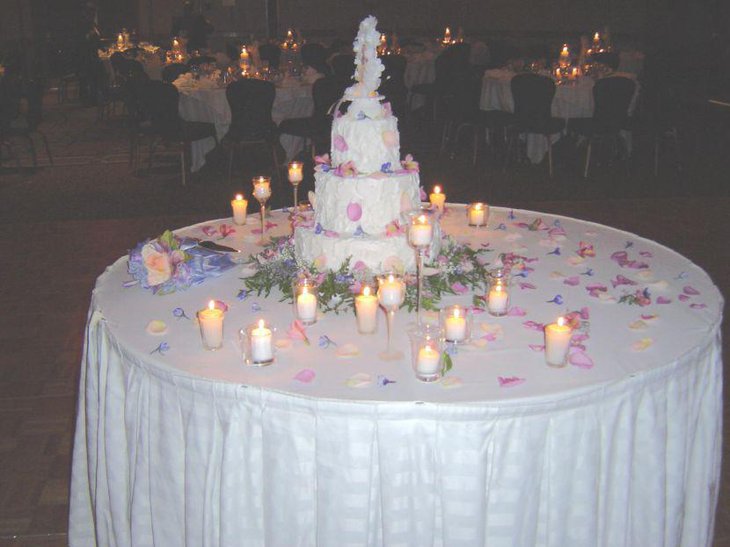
(262, 193)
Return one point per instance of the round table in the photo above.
(176, 445)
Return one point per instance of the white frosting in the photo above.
(368, 67)
(367, 143)
(377, 253)
(370, 202)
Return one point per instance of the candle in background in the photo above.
(498, 300)
(390, 292)
(564, 59)
(120, 41)
(596, 42)
(455, 325)
(428, 360)
(557, 342)
(261, 344)
(240, 207)
(262, 188)
(437, 199)
(210, 320)
(447, 36)
(306, 306)
(478, 214)
(366, 308)
(421, 231)
(296, 173)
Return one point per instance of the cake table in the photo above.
(176, 445)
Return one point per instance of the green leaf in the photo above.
(448, 364)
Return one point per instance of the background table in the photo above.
(573, 99)
(188, 447)
(292, 100)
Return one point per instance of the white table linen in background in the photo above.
(192, 448)
(292, 100)
(573, 99)
(420, 69)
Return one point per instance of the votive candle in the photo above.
(261, 343)
(557, 342)
(210, 320)
(307, 306)
(498, 300)
(421, 231)
(240, 207)
(478, 214)
(366, 309)
(296, 174)
(428, 360)
(455, 325)
(437, 199)
(262, 188)
(390, 292)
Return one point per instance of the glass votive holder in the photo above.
(420, 227)
(477, 214)
(427, 345)
(456, 322)
(261, 188)
(557, 342)
(366, 311)
(498, 293)
(210, 320)
(257, 344)
(304, 292)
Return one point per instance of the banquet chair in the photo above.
(271, 54)
(462, 111)
(251, 124)
(10, 98)
(343, 68)
(392, 84)
(533, 95)
(172, 72)
(159, 101)
(315, 56)
(611, 98)
(26, 125)
(315, 129)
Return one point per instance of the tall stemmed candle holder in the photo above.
(420, 237)
(391, 294)
(296, 175)
(262, 193)
(498, 292)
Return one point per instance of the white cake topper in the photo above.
(368, 66)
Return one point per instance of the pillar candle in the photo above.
(239, 206)
(390, 292)
(306, 305)
(428, 360)
(437, 199)
(366, 308)
(421, 231)
(557, 342)
(210, 320)
(477, 214)
(261, 343)
(455, 326)
(498, 300)
(295, 172)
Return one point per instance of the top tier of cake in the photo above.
(365, 137)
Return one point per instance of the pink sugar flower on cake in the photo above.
(346, 169)
(393, 228)
(390, 139)
(340, 144)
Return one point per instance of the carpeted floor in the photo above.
(63, 224)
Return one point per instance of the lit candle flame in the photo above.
(211, 305)
(422, 219)
(456, 313)
(391, 278)
(366, 291)
(239, 197)
(498, 288)
(478, 206)
(261, 323)
(561, 321)
(437, 189)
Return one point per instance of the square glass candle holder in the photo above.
(305, 300)
(427, 347)
(257, 344)
(456, 323)
(498, 293)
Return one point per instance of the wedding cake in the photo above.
(362, 192)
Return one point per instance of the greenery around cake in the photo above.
(457, 269)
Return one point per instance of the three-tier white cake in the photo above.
(361, 195)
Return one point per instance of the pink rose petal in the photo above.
(516, 311)
(698, 306)
(305, 375)
(572, 281)
(683, 298)
(579, 358)
(690, 290)
(663, 300)
(534, 325)
(527, 286)
(537, 347)
(510, 381)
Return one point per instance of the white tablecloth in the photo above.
(188, 447)
(211, 105)
(573, 99)
(420, 69)
(151, 64)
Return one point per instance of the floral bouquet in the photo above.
(170, 263)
